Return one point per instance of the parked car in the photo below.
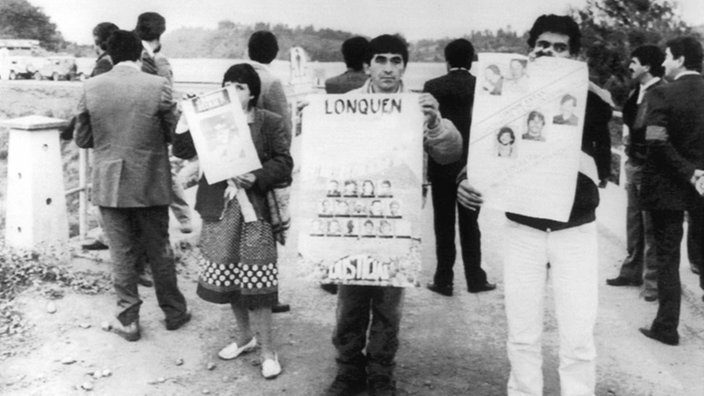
(60, 68)
(19, 67)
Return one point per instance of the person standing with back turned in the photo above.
(455, 93)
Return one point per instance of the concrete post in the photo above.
(36, 200)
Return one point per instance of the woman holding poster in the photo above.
(237, 240)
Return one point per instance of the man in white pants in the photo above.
(569, 247)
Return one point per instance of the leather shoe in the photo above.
(669, 340)
(95, 245)
(482, 288)
(175, 324)
(145, 280)
(329, 287)
(444, 290)
(280, 308)
(129, 332)
(232, 351)
(621, 281)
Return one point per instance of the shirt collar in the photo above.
(250, 115)
(686, 73)
(367, 87)
(459, 68)
(650, 83)
(131, 64)
(147, 47)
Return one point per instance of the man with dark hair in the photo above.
(131, 177)
(674, 166)
(101, 33)
(103, 64)
(640, 264)
(455, 93)
(262, 49)
(353, 51)
(150, 27)
(376, 310)
(569, 247)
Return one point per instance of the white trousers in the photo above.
(572, 254)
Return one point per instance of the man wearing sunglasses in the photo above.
(569, 247)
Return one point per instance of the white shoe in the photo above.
(232, 351)
(271, 367)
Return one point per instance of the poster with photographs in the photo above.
(361, 177)
(525, 143)
(220, 134)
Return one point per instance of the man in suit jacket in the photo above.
(640, 265)
(262, 49)
(127, 117)
(673, 166)
(455, 93)
(150, 27)
(353, 51)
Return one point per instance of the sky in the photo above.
(415, 19)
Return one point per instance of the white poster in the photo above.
(220, 134)
(361, 176)
(525, 141)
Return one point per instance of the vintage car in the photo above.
(59, 68)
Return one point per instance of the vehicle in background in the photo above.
(60, 68)
(18, 59)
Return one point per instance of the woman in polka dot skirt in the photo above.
(239, 256)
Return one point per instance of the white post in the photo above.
(36, 201)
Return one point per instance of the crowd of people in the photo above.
(128, 115)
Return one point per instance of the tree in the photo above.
(612, 29)
(21, 20)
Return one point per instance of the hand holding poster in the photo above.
(360, 184)
(220, 134)
(524, 148)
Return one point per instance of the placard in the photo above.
(221, 134)
(361, 177)
(525, 141)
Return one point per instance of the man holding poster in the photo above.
(568, 248)
(386, 59)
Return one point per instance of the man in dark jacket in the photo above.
(673, 168)
(353, 51)
(640, 264)
(569, 247)
(455, 93)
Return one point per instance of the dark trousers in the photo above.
(640, 262)
(695, 241)
(667, 226)
(357, 306)
(130, 232)
(444, 193)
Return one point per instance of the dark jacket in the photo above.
(675, 144)
(634, 118)
(455, 94)
(596, 143)
(271, 142)
(345, 82)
